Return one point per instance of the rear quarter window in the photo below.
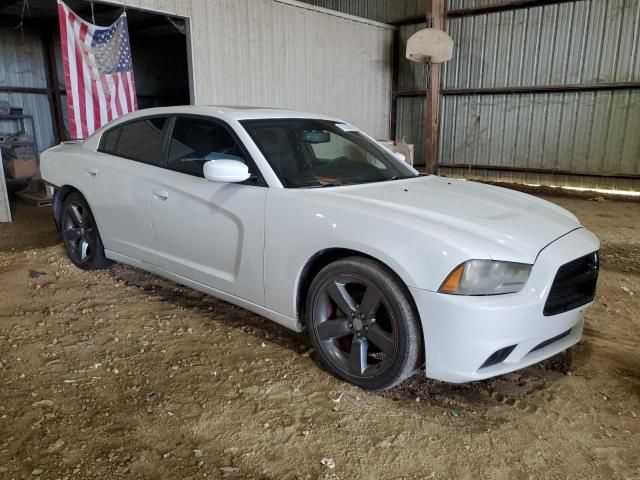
(110, 140)
(140, 140)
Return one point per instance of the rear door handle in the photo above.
(92, 172)
(161, 194)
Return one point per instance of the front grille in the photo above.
(574, 285)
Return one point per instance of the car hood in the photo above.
(514, 226)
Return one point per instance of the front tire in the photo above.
(80, 234)
(363, 324)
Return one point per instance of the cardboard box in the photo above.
(22, 168)
(400, 146)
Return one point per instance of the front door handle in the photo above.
(161, 194)
(92, 172)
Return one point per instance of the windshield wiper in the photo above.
(398, 177)
(324, 185)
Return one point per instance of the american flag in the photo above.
(98, 71)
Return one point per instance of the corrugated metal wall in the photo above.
(287, 54)
(248, 52)
(292, 57)
(381, 10)
(411, 77)
(410, 109)
(459, 4)
(22, 65)
(575, 137)
(594, 132)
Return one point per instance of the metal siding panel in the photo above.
(629, 42)
(564, 44)
(480, 26)
(620, 105)
(584, 121)
(379, 10)
(598, 133)
(411, 75)
(566, 131)
(630, 158)
(594, 52)
(531, 49)
(409, 125)
(510, 131)
(579, 40)
(484, 146)
(499, 123)
(593, 132)
(551, 131)
(446, 135)
(523, 134)
(614, 20)
(467, 40)
(22, 64)
(569, 43)
(449, 76)
(575, 42)
(489, 50)
(548, 43)
(504, 60)
(554, 180)
(276, 54)
(21, 59)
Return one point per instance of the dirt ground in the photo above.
(121, 374)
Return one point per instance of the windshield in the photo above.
(322, 153)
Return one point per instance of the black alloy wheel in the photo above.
(80, 234)
(363, 324)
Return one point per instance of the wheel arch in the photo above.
(323, 258)
(58, 201)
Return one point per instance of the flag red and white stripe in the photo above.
(98, 72)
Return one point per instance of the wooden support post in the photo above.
(435, 19)
(53, 87)
(396, 55)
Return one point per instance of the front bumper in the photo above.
(462, 332)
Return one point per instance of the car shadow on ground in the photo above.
(510, 389)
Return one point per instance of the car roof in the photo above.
(228, 112)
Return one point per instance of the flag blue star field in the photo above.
(98, 71)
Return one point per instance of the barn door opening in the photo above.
(159, 48)
(33, 103)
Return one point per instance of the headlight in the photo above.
(486, 277)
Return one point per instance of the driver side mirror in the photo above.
(225, 171)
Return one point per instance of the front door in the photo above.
(211, 233)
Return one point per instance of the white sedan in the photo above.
(308, 221)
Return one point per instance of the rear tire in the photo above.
(80, 234)
(363, 324)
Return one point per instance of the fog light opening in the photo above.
(498, 356)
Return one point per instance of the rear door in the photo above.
(209, 232)
(130, 158)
